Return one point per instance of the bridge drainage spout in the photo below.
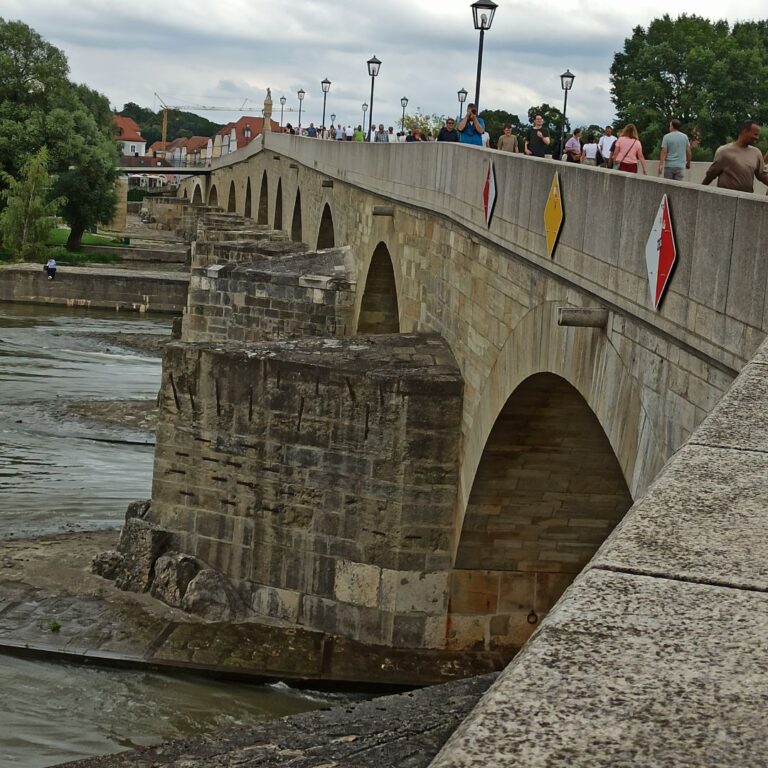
(582, 317)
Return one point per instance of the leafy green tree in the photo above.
(427, 124)
(40, 107)
(495, 120)
(705, 74)
(26, 219)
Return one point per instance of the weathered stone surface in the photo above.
(108, 564)
(403, 731)
(138, 509)
(141, 543)
(173, 573)
(210, 595)
(629, 670)
(290, 465)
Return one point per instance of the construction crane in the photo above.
(199, 107)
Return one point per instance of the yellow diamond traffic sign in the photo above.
(553, 215)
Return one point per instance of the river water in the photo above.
(57, 475)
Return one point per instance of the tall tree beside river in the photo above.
(706, 74)
(40, 107)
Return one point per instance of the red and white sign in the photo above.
(489, 193)
(660, 253)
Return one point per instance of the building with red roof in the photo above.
(129, 138)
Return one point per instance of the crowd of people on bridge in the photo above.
(736, 165)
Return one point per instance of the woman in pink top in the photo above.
(628, 151)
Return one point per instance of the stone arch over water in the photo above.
(296, 227)
(326, 237)
(213, 197)
(197, 195)
(263, 217)
(279, 205)
(232, 200)
(247, 206)
(379, 311)
(547, 492)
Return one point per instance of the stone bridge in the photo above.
(383, 422)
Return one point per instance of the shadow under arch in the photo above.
(197, 195)
(296, 228)
(213, 197)
(279, 205)
(232, 200)
(547, 493)
(325, 236)
(589, 362)
(263, 215)
(247, 206)
(379, 311)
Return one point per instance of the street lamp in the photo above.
(301, 94)
(462, 98)
(482, 15)
(333, 120)
(365, 109)
(326, 86)
(566, 83)
(282, 107)
(374, 65)
(403, 104)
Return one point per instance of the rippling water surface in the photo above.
(56, 475)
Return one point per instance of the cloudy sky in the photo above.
(222, 53)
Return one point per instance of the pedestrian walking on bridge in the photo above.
(675, 155)
(739, 163)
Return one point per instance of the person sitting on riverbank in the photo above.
(50, 268)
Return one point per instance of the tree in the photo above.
(26, 220)
(495, 120)
(701, 72)
(40, 107)
(427, 124)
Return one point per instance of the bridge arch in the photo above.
(213, 197)
(589, 362)
(326, 238)
(263, 215)
(232, 200)
(279, 205)
(547, 493)
(197, 195)
(379, 309)
(247, 205)
(296, 227)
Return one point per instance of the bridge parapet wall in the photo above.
(716, 297)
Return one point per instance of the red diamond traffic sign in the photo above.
(660, 253)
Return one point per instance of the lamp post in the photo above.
(333, 120)
(365, 109)
(301, 94)
(482, 15)
(374, 65)
(403, 104)
(282, 107)
(462, 98)
(566, 83)
(326, 86)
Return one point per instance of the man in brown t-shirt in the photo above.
(738, 164)
(507, 141)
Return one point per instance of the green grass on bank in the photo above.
(59, 235)
(56, 247)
